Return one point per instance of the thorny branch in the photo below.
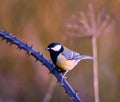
(39, 57)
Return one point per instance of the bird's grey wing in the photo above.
(71, 55)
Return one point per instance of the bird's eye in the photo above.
(56, 48)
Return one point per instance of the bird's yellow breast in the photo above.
(65, 64)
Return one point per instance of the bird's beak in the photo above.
(47, 48)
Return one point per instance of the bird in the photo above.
(64, 58)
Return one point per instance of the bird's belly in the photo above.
(65, 64)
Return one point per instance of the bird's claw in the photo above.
(61, 81)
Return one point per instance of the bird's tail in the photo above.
(87, 57)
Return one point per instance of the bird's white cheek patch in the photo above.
(56, 48)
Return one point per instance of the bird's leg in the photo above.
(65, 74)
(63, 77)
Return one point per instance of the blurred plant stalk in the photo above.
(91, 25)
(95, 69)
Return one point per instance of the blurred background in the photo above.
(40, 22)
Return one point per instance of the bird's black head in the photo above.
(55, 49)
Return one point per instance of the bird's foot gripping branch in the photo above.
(39, 57)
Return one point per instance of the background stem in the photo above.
(95, 69)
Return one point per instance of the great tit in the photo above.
(63, 58)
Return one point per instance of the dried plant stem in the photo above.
(50, 90)
(95, 68)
